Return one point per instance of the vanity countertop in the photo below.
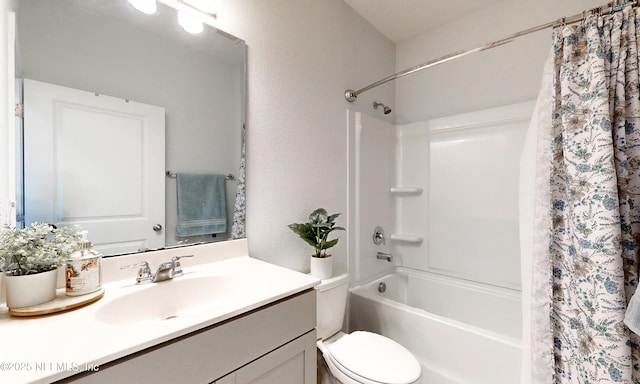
(46, 348)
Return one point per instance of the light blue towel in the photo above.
(202, 204)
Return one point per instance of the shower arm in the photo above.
(351, 95)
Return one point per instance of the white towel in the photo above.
(632, 316)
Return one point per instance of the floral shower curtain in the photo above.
(587, 218)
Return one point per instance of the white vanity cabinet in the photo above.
(293, 363)
(275, 343)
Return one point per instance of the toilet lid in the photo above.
(376, 358)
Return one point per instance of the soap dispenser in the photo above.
(83, 272)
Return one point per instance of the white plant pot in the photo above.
(28, 290)
(321, 267)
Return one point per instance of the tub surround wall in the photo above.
(411, 217)
(371, 173)
(449, 202)
(473, 196)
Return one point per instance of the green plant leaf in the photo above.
(330, 244)
(318, 216)
(316, 231)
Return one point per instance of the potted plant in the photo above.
(30, 257)
(315, 232)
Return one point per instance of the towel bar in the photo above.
(173, 175)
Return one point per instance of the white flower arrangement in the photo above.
(38, 248)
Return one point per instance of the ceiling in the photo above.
(400, 20)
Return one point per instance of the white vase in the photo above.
(321, 267)
(28, 290)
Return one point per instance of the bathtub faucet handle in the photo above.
(383, 256)
(378, 236)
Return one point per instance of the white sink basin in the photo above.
(171, 299)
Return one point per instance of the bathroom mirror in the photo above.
(106, 47)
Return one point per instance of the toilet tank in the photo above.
(331, 303)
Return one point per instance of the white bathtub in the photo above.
(460, 331)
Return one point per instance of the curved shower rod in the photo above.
(351, 95)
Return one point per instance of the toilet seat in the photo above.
(369, 358)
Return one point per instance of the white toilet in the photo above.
(359, 357)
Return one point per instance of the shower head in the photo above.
(386, 109)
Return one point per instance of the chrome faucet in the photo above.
(383, 256)
(166, 271)
(144, 272)
(170, 269)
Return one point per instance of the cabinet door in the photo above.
(293, 363)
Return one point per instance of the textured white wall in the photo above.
(500, 76)
(302, 55)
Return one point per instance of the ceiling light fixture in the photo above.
(190, 23)
(145, 6)
(191, 13)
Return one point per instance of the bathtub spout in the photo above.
(383, 256)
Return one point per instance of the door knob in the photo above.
(157, 227)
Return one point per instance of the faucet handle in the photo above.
(378, 236)
(176, 258)
(144, 271)
(177, 267)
